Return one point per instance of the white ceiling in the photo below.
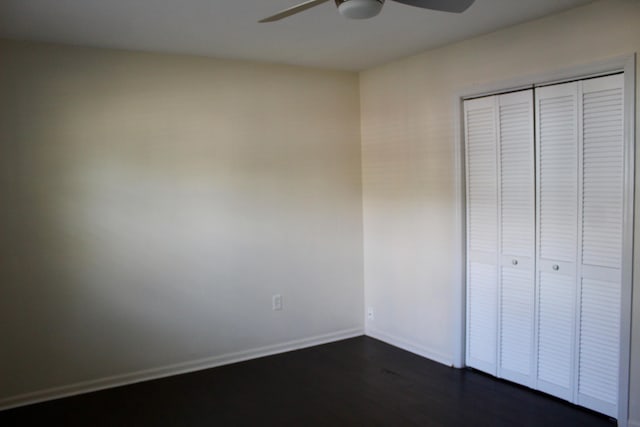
(228, 28)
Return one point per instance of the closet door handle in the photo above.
(556, 267)
(514, 262)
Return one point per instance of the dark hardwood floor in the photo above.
(355, 382)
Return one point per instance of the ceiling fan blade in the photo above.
(456, 6)
(293, 10)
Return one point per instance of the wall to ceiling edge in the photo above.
(153, 204)
(408, 122)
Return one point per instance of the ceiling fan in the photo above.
(362, 9)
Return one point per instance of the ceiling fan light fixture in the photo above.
(363, 9)
(359, 9)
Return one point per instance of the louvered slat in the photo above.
(603, 160)
(517, 236)
(556, 298)
(482, 233)
(599, 341)
(482, 195)
(482, 312)
(516, 322)
(558, 177)
(602, 247)
(516, 174)
(557, 157)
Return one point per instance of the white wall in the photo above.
(409, 169)
(152, 204)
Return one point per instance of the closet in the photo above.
(545, 218)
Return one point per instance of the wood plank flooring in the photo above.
(355, 382)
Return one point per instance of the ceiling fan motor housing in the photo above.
(359, 9)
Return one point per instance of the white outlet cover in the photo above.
(276, 301)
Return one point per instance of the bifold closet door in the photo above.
(500, 224)
(545, 238)
(516, 230)
(482, 233)
(601, 243)
(580, 144)
(557, 217)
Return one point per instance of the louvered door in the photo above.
(580, 240)
(482, 233)
(601, 243)
(545, 238)
(557, 219)
(517, 236)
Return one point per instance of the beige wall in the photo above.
(409, 172)
(153, 204)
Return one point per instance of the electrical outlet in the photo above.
(276, 302)
(370, 313)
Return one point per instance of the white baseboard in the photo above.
(410, 346)
(174, 369)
